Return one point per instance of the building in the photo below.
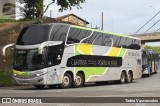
(74, 19)
(7, 9)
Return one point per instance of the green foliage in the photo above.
(6, 78)
(7, 20)
(33, 9)
(65, 4)
(156, 49)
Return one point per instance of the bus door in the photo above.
(153, 63)
(54, 57)
(150, 62)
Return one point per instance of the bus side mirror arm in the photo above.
(49, 43)
(5, 47)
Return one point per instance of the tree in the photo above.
(155, 49)
(34, 8)
(31, 9)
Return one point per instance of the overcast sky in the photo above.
(120, 16)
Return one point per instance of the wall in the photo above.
(9, 12)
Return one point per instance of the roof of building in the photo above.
(64, 16)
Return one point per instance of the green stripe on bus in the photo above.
(122, 53)
(20, 73)
(91, 71)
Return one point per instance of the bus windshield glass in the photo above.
(28, 60)
(34, 35)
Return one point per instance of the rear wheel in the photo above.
(78, 81)
(122, 78)
(149, 73)
(129, 77)
(67, 81)
(39, 86)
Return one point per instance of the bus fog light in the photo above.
(40, 80)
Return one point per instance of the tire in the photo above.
(149, 74)
(129, 77)
(122, 78)
(79, 81)
(39, 86)
(66, 82)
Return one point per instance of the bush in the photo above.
(6, 78)
(7, 20)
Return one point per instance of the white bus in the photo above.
(69, 56)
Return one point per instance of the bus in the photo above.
(150, 62)
(68, 56)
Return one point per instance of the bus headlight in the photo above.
(37, 75)
(41, 73)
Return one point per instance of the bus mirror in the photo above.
(48, 43)
(58, 57)
(5, 47)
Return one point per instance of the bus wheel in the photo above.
(129, 77)
(67, 81)
(149, 73)
(79, 81)
(39, 86)
(122, 77)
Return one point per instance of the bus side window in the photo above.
(76, 35)
(59, 33)
(98, 40)
(107, 40)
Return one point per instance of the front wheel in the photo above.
(78, 81)
(67, 81)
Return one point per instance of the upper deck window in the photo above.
(34, 35)
(76, 35)
(59, 33)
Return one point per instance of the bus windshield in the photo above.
(34, 35)
(28, 60)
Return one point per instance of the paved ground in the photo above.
(144, 87)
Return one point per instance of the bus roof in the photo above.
(86, 28)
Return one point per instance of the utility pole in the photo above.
(50, 13)
(102, 22)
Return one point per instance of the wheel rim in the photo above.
(65, 81)
(129, 77)
(122, 78)
(78, 80)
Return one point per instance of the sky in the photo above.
(120, 16)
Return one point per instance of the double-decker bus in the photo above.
(68, 55)
(150, 62)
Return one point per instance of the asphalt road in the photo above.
(144, 87)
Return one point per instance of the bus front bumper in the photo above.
(41, 80)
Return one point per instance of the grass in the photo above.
(6, 78)
(7, 20)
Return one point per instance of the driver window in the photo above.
(54, 58)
